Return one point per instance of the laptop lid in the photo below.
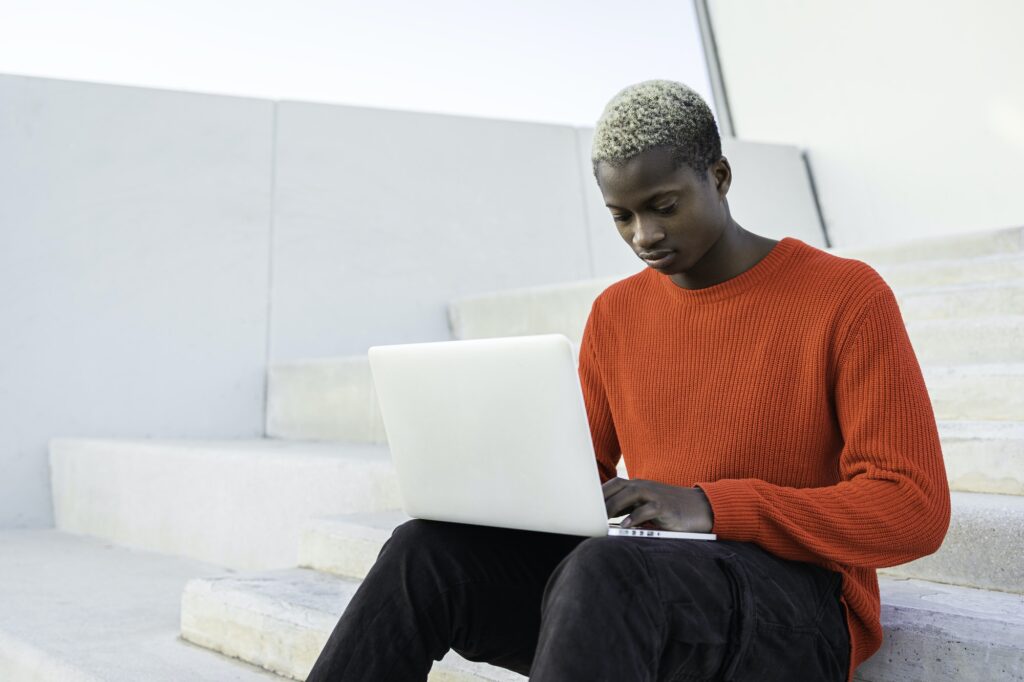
(491, 432)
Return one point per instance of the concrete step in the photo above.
(551, 309)
(1008, 240)
(984, 547)
(327, 399)
(984, 457)
(947, 633)
(994, 269)
(347, 545)
(978, 392)
(280, 620)
(969, 340)
(238, 504)
(77, 609)
(958, 301)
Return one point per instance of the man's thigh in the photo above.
(736, 612)
(489, 582)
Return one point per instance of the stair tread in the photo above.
(76, 608)
(954, 603)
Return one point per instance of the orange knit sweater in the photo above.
(792, 396)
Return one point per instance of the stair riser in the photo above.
(975, 397)
(946, 273)
(968, 245)
(345, 557)
(983, 548)
(985, 466)
(330, 400)
(276, 645)
(963, 304)
(549, 310)
(348, 558)
(947, 342)
(235, 511)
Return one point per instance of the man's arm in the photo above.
(892, 504)
(602, 428)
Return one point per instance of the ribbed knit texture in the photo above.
(792, 396)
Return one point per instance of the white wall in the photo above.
(381, 217)
(133, 271)
(912, 111)
(158, 249)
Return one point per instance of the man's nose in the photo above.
(647, 234)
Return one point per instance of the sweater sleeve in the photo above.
(599, 416)
(892, 503)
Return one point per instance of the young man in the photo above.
(763, 390)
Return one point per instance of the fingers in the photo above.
(620, 498)
(643, 513)
(610, 488)
(612, 485)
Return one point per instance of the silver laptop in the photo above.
(494, 432)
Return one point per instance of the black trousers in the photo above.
(562, 608)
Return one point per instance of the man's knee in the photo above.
(605, 555)
(420, 560)
(446, 549)
(420, 540)
(412, 533)
(599, 566)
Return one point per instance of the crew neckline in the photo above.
(750, 277)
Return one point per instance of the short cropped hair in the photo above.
(657, 113)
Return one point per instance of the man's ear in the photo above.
(721, 173)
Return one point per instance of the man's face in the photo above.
(668, 217)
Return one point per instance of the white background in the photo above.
(534, 60)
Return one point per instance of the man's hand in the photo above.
(668, 507)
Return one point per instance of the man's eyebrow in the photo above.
(656, 195)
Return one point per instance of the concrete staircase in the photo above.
(301, 515)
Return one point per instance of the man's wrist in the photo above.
(707, 504)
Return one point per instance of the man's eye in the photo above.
(668, 210)
(619, 218)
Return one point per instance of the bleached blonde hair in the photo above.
(657, 113)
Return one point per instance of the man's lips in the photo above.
(657, 258)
